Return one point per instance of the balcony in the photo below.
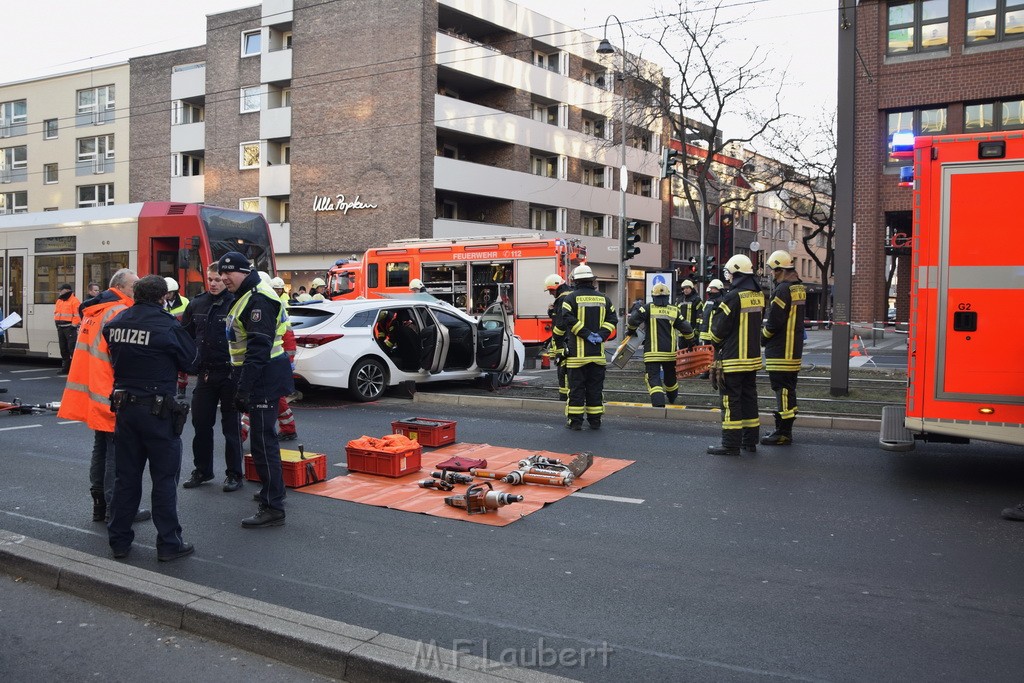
(188, 137)
(188, 81)
(275, 123)
(188, 189)
(277, 11)
(281, 237)
(276, 66)
(275, 181)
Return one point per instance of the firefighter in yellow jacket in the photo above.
(556, 287)
(663, 324)
(735, 332)
(783, 340)
(588, 319)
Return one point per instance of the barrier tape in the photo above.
(869, 326)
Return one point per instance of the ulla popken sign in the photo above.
(339, 203)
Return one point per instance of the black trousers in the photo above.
(216, 387)
(67, 335)
(784, 386)
(586, 393)
(266, 451)
(661, 380)
(740, 421)
(140, 438)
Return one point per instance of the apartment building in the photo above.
(927, 67)
(59, 139)
(353, 124)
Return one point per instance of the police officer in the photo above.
(148, 348)
(783, 340)
(735, 331)
(663, 324)
(204, 321)
(174, 302)
(67, 319)
(558, 289)
(261, 370)
(587, 320)
(690, 303)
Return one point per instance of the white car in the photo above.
(368, 345)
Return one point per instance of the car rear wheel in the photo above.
(368, 380)
(505, 378)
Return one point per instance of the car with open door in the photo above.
(368, 345)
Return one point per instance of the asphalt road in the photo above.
(830, 560)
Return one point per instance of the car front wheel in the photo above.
(505, 378)
(368, 380)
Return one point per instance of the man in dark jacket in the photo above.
(783, 340)
(663, 324)
(204, 320)
(262, 373)
(558, 289)
(735, 331)
(690, 303)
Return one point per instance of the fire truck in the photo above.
(965, 363)
(469, 273)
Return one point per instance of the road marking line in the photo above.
(7, 429)
(69, 422)
(613, 499)
(29, 379)
(15, 372)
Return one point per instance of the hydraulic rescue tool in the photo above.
(478, 500)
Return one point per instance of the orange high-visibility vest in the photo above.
(66, 312)
(91, 378)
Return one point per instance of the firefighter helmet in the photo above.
(780, 259)
(660, 290)
(687, 283)
(172, 284)
(553, 282)
(317, 282)
(717, 284)
(416, 285)
(582, 272)
(277, 283)
(739, 264)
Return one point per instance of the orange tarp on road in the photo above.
(402, 493)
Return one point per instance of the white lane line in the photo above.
(5, 380)
(612, 499)
(29, 379)
(7, 429)
(15, 372)
(69, 422)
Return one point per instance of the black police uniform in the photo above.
(783, 340)
(148, 348)
(663, 324)
(261, 381)
(204, 320)
(585, 311)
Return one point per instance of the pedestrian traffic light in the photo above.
(693, 267)
(629, 248)
(669, 158)
(709, 266)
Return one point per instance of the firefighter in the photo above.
(714, 297)
(277, 284)
(317, 288)
(67, 320)
(558, 289)
(690, 304)
(174, 302)
(735, 331)
(663, 324)
(783, 340)
(587, 320)
(417, 286)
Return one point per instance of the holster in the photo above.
(117, 399)
(179, 414)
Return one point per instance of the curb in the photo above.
(324, 646)
(640, 410)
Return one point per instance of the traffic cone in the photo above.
(857, 347)
(545, 361)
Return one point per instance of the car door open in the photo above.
(494, 340)
(434, 341)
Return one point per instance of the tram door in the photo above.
(12, 293)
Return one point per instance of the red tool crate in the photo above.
(384, 463)
(427, 431)
(297, 471)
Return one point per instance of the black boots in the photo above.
(783, 434)
(99, 505)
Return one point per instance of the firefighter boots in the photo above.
(783, 434)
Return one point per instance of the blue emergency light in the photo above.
(906, 176)
(902, 145)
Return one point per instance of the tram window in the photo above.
(398, 274)
(101, 266)
(51, 273)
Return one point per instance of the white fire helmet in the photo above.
(416, 285)
(716, 284)
(660, 289)
(277, 283)
(780, 259)
(265, 278)
(582, 272)
(172, 284)
(739, 264)
(317, 282)
(553, 282)
(687, 283)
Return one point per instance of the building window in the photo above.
(14, 158)
(95, 195)
(593, 176)
(545, 113)
(250, 43)
(13, 112)
(286, 40)
(642, 186)
(994, 20)
(250, 204)
(13, 202)
(544, 166)
(186, 165)
(249, 155)
(543, 219)
(249, 100)
(95, 148)
(286, 97)
(592, 226)
(50, 129)
(183, 113)
(49, 174)
(918, 26)
(96, 99)
(551, 62)
(918, 122)
(594, 127)
(987, 116)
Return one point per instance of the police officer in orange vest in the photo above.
(67, 320)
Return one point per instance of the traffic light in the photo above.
(629, 248)
(692, 272)
(669, 157)
(709, 267)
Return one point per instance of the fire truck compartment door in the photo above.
(980, 286)
(494, 340)
(434, 343)
(532, 300)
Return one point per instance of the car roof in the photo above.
(378, 303)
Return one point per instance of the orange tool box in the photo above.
(425, 430)
(299, 469)
(391, 456)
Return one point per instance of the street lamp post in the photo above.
(605, 48)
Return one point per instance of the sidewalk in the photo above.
(873, 339)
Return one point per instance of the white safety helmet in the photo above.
(172, 284)
(739, 264)
(660, 290)
(582, 272)
(303, 298)
(780, 259)
(277, 283)
(317, 282)
(687, 283)
(416, 285)
(553, 282)
(264, 278)
(717, 284)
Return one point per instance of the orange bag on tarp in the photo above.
(390, 443)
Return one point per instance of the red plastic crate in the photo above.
(384, 463)
(297, 472)
(427, 431)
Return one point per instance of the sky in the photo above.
(798, 36)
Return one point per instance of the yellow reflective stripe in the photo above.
(741, 364)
